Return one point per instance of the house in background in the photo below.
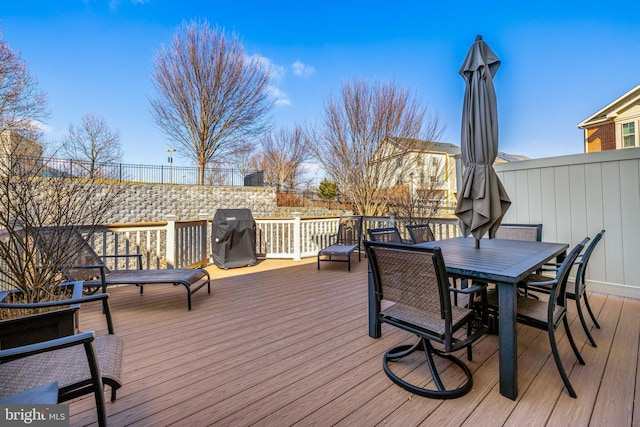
(16, 149)
(615, 126)
(432, 175)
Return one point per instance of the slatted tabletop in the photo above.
(497, 260)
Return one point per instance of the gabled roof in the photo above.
(420, 145)
(503, 157)
(612, 110)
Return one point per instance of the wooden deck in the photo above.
(281, 343)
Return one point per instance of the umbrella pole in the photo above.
(477, 243)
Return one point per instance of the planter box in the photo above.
(42, 326)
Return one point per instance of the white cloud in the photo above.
(281, 98)
(277, 71)
(302, 70)
(44, 128)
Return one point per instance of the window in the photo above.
(628, 134)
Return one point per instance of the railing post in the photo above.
(392, 219)
(297, 236)
(171, 241)
(206, 235)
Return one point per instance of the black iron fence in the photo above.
(131, 173)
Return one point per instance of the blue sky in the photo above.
(561, 61)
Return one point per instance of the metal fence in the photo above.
(131, 173)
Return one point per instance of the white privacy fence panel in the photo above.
(577, 196)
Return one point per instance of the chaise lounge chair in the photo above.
(346, 241)
(87, 266)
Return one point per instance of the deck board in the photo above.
(282, 343)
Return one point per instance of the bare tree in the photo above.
(282, 156)
(364, 140)
(29, 202)
(239, 154)
(22, 104)
(92, 142)
(210, 92)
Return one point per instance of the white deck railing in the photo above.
(170, 244)
(184, 244)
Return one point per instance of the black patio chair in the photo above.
(344, 242)
(414, 285)
(526, 232)
(579, 290)
(87, 266)
(547, 315)
(420, 233)
(79, 363)
(385, 234)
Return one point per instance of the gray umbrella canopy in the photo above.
(482, 201)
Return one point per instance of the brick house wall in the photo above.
(601, 138)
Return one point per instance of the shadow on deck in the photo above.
(281, 343)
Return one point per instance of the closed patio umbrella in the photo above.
(482, 201)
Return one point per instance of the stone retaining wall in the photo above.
(153, 202)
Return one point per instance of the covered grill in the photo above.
(233, 238)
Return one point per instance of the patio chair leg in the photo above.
(584, 323)
(571, 341)
(556, 357)
(441, 392)
(586, 303)
(428, 351)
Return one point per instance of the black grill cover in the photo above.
(233, 238)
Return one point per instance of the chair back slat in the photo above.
(528, 232)
(582, 267)
(349, 230)
(413, 277)
(420, 233)
(387, 234)
(558, 290)
(78, 252)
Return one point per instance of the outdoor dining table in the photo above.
(500, 261)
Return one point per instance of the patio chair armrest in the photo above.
(83, 266)
(537, 284)
(42, 347)
(84, 299)
(69, 301)
(138, 256)
(475, 287)
(122, 256)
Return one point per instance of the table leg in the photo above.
(508, 350)
(375, 329)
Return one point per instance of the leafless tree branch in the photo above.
(282, 156)
(93, 142)
(22, 104)
(365, 137)
(209, 92)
